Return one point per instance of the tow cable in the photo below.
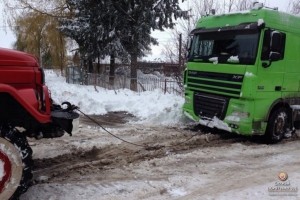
(147, 147)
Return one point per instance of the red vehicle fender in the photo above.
(27, 98)
(47, 100)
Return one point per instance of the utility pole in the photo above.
(179, 53)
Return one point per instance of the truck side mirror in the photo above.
(276, 41)
(277, 46)
(274, 56)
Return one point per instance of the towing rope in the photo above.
(147, 147)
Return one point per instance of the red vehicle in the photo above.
(26, 110)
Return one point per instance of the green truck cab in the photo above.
(243, 73)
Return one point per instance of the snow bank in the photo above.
(152, 107)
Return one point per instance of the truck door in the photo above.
(291, 83)
(271, 67)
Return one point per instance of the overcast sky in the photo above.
(8, 38)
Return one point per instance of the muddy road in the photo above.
(166, 163)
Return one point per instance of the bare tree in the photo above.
(228, 5)
(243, 5)
(294, 6)
(56, 8)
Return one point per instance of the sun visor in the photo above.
(244, 26)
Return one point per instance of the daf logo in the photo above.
(237, 77)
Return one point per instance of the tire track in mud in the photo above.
(109, 119)
(99, 162)
(81, 162)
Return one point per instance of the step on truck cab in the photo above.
(243, 73)
(26, 110)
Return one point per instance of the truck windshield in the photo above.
(239, 47)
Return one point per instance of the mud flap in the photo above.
(296, 118)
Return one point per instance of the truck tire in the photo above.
(278, 125)
(15, 164)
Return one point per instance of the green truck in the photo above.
(243, 73)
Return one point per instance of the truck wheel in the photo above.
(15, 164)
(277, 125)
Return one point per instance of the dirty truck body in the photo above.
(243, 73)
(26, 110)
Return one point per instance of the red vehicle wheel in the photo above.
(11, 169)
(15, 164)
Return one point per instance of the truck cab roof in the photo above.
(270, 18)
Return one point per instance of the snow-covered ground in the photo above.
(150, 107)
(92, 165)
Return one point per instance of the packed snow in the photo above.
(233, 59)
(150, 107)
(215, 60)
(215, 123)
(249, 74)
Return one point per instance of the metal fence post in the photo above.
(165, 86)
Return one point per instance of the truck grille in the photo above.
(210, 105)
(228, 85)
